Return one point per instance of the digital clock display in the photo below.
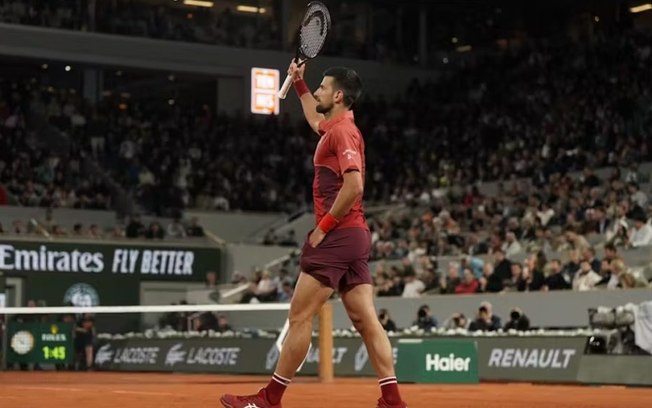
(57, 353)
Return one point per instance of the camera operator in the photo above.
(424, 320)
(456, 321)
(386, 321)
(486, 320)
(519, 321)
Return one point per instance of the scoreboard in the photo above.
(40, 343)
(264, 86)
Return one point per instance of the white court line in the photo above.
(46, 388)
(142, 393)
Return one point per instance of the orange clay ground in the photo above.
(141, 390)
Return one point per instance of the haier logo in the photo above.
(447, 363)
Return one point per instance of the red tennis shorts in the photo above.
(340, 261)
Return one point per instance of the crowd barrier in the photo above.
(554, 359)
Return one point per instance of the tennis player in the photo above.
(336, 251)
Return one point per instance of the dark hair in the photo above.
(348, 81)
(570, 228)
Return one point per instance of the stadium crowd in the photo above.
(508, 116)
(34, 176)
(216, 26)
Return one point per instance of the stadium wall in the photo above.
(246, 258)
(559, 309)
(625, 370)
(235, 226)
(537, 359)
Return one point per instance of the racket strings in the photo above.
(314, 30)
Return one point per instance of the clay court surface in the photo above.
(140, 390)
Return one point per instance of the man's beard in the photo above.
(323, 109)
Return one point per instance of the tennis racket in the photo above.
(312, 35)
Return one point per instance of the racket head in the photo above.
(313, 31)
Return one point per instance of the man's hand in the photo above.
(316, 237)
(295, 71)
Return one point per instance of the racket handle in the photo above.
(283, 92)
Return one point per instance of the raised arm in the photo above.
(308, 102)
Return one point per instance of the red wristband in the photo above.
(328, 222)
(301, 87)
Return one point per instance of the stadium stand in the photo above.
(509, 195)
(371, 26)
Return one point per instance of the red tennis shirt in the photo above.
(340, 150)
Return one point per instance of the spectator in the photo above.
(485, 320)
(267, 289)
(572, 266)
(574, 240)
(386, 321)
(425, 321)
(413, 287)
(490, 282)
(589, 255)
(518, 321)
(206, 322)
(556, 280)
(135, 228)
(629, 281)
(611, 252)
(176, 230)
(155, 231)
(642, 233)
(283, 277)
(511, 247)
(223, 324)
(77, 230)
(469, 285)
(195, 230)
(384, 286)
(286, 292)
(449, 283)
(517, 281)
(636, 196)
(616, 270)
(94, 232)
(533, 278)
(211, 280)
(18, 227)
(586, 278)
(502, 266)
